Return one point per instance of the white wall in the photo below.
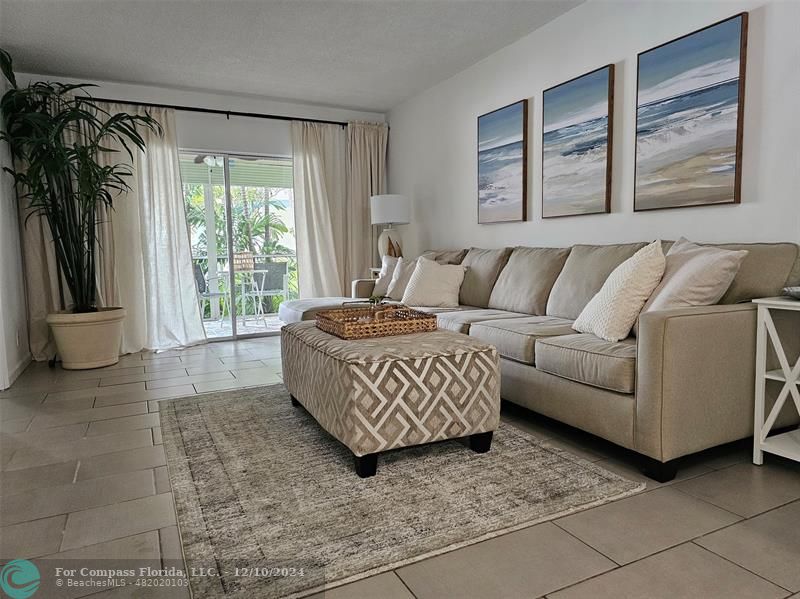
(432, 153)
(14, 354)
(214, 132)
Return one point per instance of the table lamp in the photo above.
(389, 209)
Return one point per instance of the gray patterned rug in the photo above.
(261, 488)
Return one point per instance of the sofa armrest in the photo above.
(362, 288)
(695, 379)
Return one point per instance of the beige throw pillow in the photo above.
(695, 275)
(388, 264)
(400, 277)
(611, 313)
(434, 285)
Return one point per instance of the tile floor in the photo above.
(83, 474)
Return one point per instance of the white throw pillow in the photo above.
(400, 277)
(434, 285)
(388, 264)
(611, 313)
(695, 275)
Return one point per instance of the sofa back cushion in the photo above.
(767, 268)
(445, 256)
(586, 269)
(525, 283)
(483, 268)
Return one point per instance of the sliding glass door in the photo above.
(240, 211)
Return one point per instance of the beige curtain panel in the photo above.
(366, 176)
(335, 173)
(144, 258)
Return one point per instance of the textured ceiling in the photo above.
(367, 54)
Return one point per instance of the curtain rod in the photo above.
(227, 113)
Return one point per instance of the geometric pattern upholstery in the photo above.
(388, 392)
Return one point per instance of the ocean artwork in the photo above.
(576, 145)
(689, 118)
(502, 164)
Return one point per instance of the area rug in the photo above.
(269, 505)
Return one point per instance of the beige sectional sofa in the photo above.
(683, 384)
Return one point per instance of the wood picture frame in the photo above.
(707, 94)
(578, 135)
(502, 167)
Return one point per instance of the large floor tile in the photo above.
(145, 545)
(116, 370)
(82, 448)
(627, 467)
(62, 499)
(383, 586)
(62, 418)
(16, 425)
(119, 520)
(115, 379)
(144, 395)
(768, 545)
(170, 542)
(16, 408)
(257, 376)
(142, 458)
(50, 437)
(128, 423)
(684, 572)
(220, 367)
(27, 479)
(94, 392)
(526, 563)
(187, 380)
(31, 539)
(746, 489)
(641, 525)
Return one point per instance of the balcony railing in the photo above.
(261, 282)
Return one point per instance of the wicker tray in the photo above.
(374, 321)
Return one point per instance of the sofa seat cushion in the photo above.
(440, 310)
(515, 338)
(461, 321)
(588, 359)
(306, 309)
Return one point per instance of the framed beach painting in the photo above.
(576, 145)
(690, 104)
(503, 164)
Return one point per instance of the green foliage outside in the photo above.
(259, 224)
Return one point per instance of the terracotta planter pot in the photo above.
(88, 340)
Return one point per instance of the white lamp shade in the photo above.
(390, 209)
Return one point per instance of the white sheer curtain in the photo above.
(152, 255)
(144, 260)
(320, 191)
(366, 176)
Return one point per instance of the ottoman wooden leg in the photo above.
(295, 403)
(366, 465)
(481, 442)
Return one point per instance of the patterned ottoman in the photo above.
(389, 392)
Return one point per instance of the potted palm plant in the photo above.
(63, 144)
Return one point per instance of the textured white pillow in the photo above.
(695, 275)
(388, 264)
(400, 277)
(434, 285)
(610, 314)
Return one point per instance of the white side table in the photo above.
(785, 444)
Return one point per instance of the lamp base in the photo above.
(389, 243)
